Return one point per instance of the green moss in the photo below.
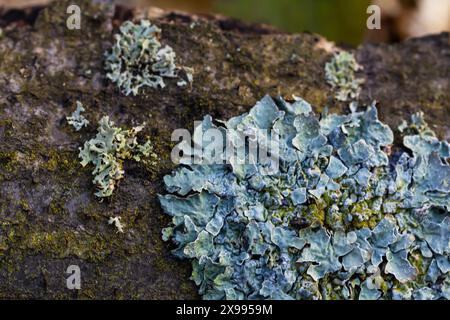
(24, 205)
(9, 165)
(7, 126)
(421, 264)
(316, 212)
(61, 161)
(62, 244)
(56, 208)
(364, 216)
(9, 160)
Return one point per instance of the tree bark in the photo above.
(49, 216)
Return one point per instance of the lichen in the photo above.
(116, 221)
(340, 219)
(9, 160)
(340, 74)
(138, 59)
(77, 120)
(107, 152)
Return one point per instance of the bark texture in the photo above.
(49, 216)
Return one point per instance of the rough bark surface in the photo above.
(49, 217)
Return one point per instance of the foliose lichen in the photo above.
(107, 152)
(138, 59)
(116, 221)
(77, 120)
(341, 219)
(340, 74)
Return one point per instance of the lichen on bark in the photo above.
(49, 216)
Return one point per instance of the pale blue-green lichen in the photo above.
(138, 59)
(77, 120)
(107, 152)
(116, 222)
(341, 219)
(340, 74)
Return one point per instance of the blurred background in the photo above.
(343, 21)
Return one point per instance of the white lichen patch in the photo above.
(340, 74)
(116, 221)
(77, 120)
(138, 59)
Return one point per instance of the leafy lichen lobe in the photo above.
(138, 59)
(341, 219)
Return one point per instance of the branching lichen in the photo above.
(138, 59)
(341, 219)
(108, 150)
(116, 221)
(340, 74)
(77, 120)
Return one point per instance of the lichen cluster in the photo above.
(77, 120)
(343, 218)
(340, 74)
(107, 152)
(138, 59)
(116, 221)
